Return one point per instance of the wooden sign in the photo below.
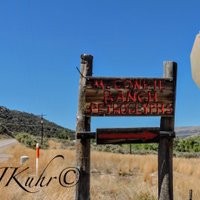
(127, 135)
(129, 96)
(100, 96)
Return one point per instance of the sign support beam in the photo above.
(83, 124)
(165, 150)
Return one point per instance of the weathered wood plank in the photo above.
(129, 96)
(127, 135)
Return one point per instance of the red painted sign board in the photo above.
(127, 135)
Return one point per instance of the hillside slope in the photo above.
(13, 121)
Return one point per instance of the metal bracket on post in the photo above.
(168, 134)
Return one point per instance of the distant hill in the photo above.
(13, 121)
(187, 131)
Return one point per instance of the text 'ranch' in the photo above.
(117, 96)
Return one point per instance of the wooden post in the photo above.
(83, 124)
(165, 151)
(190, 194)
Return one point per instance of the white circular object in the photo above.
(195, 60)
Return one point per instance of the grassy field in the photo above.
(113, 176)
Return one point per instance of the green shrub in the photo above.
(146, 196)
(191, 144)
(30, 140)
(62, 135)
(26, 139)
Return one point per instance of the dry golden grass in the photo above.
(54, 190)
(113, 176)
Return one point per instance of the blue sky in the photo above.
(41, 43)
